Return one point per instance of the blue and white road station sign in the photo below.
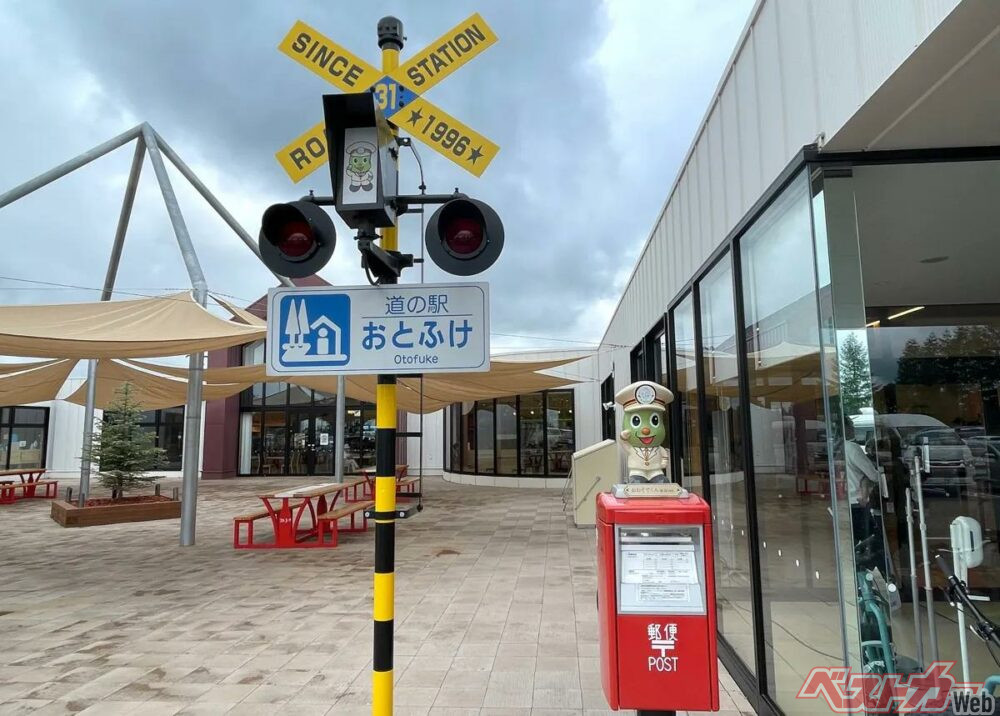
(402, 328)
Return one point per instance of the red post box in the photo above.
(656, 601)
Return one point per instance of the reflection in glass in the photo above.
(800, 600)
(511, 436)
(559, 428)
(275, 394)
(467, 436)
(273, 443)
(253, 354)
(724, 437)
(250, 442)
(484, 436)
(320, 398)
(686, 394)
(299, 444)
(354, 448)
(27, 446)
(4, 444)
(938, 379)
(23, 437)
(454, 457)
(297, 395)
(324, 441)
(532, 434)
(170, 438)
(507, 436)
(368, 412)
(29, 416)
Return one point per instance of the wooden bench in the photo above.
(328, 521)
(30, 477)
(8, 490)
(248, 519)
(407, 486)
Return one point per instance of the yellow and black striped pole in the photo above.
(390, 40)
(385, 542)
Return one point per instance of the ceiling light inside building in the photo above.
(907, 311)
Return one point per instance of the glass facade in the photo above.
(798, 559)
(726, 476)
(23, 436)
(685, 388)
(836, 370)
(528, 435)
(168, 427)
(286, 429)
(288, 434)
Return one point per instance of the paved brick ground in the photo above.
(495, 614)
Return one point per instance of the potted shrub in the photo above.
(122, 455)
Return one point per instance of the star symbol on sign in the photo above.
(415, 116)
(475, 154)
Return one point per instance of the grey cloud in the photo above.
(208, 76)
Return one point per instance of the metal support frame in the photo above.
(149, 142)
(65, 168)
(191, 444)
(109, 285)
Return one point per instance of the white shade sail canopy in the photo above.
(140, 328)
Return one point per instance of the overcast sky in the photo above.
(593, 104)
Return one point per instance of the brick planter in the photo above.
(69, 515)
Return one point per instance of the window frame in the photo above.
(11, 422)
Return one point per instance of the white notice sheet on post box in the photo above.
(667, 565)
(660, 570)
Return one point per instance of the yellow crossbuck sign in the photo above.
(398, 94)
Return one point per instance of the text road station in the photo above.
(393, 329)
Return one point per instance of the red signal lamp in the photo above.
(296, 239)
(464, 236)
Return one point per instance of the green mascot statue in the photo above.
(644, 404)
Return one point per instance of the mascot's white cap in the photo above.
(364, 148)
(644, 394)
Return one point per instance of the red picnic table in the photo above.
(286, 518)
(31, 479)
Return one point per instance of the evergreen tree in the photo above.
(122, 453)
(855, 386)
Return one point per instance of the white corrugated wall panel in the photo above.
(931, 13)
(678, 228)
(680, 199)
(717, 173)
(731, 152)
(658, 263)
(800, 87)
(707, 237)
(767, 63)
(646, 296)
(835, 38)
(888, 32)
(694, 200)
(744, 77)
(663, 253)
(689, 217)
(804, 67)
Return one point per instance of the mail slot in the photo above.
(656, 602)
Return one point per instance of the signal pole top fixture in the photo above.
(390, 33)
